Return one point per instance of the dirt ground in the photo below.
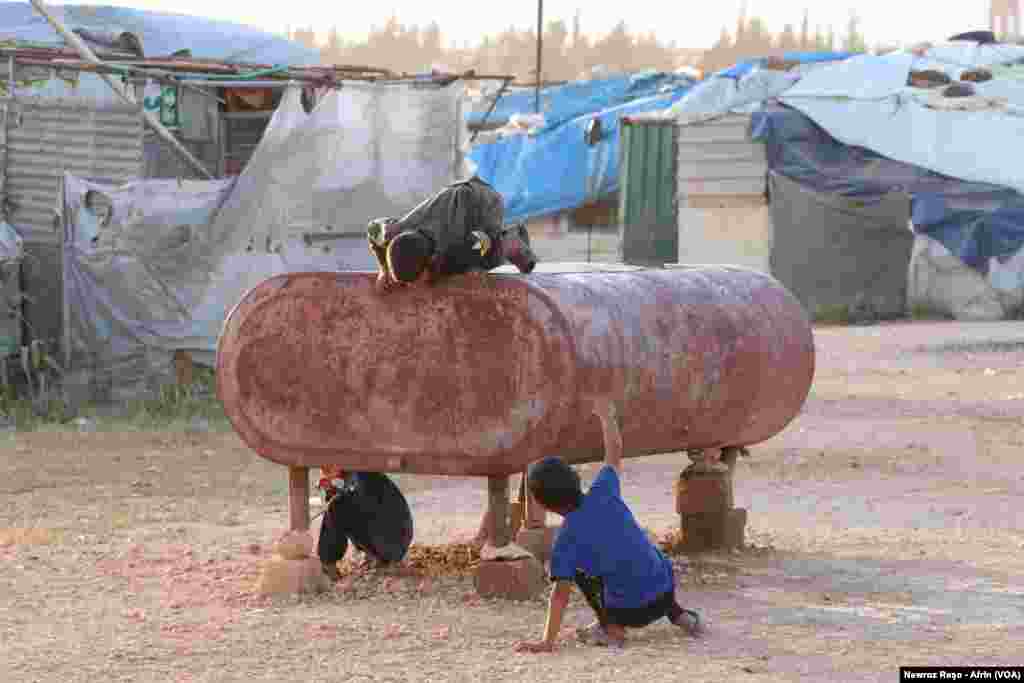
(885, 530)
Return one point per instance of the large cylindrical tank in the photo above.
(481, 375)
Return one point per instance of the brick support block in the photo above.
(538, 541)
(522, 579)
(280, 576)
(703, 531)
(704, 491)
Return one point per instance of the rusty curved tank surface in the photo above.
(481, 375)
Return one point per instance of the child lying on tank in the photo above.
(458, 230)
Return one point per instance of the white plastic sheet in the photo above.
(861, 102)
(163, 271)
(719, 96)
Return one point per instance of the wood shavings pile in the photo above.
(452, 559)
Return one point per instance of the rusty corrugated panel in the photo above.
(47, 136)
(483, 375)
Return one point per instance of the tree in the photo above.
(757, 38)
(433, 48)
(616, 49)
(854, 41)
(579, 48)
(787, 39)
(306, 37)
(333, 51)
(507, 52)
(741, 26)
(820, 40)
(724, 40)
(555, 62)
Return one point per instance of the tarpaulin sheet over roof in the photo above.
(553, 169)
(556, 169)
(857, 128)
(977, 222)
(161, 33)
(565, 102)
(866, 101)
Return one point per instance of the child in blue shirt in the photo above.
(600, 547)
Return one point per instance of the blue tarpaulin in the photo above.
(556, 169)
(565, 102)
(974, 221)
(553, 169)
(161, 33)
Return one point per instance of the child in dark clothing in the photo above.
(458, 230)
(367, 509)
(600, 547)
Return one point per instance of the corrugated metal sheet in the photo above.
(48, 136)
(718, 159)
(647, 198)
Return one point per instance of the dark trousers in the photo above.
(373, 516)
(664, 605)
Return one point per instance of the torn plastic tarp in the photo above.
(162, 271)
(977, 222)
(865, 101)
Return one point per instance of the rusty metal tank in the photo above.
(481, 375)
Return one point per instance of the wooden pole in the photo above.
(298, 498)
(540, 49)
(499, 534)
(119, 88)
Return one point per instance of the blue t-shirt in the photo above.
(601, 538)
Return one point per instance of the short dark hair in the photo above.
(555, 484)
(408, 255)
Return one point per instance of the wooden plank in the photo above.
(298, 498)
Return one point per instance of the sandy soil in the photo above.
(885, 530)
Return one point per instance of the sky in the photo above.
(892, 22)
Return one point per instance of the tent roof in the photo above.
(161, 33)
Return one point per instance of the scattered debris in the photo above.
(959, 90)
(976, 75)
(928, 78)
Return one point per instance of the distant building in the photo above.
(1005, 18)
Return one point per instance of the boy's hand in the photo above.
(535, 647)
(607, 413)
(385, 284)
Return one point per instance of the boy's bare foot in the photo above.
(689, 620)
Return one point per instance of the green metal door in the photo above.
(647, 195)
